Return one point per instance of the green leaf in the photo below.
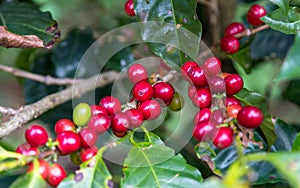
(287, 24)
(156, 166)
(89, 176)
(120, 60)
(204, 149)
(267, 127)
(31, 179)
(183, 30)
(283, 4)
(285, 136)
(251, 98)
(292, 92)
(291, 67)
(296, 144)
(25, 19)
(243, 58)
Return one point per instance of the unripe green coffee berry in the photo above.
(82, 114)
(177, 102)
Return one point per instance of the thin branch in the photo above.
(48, 80)
(248, 32)
(7, 111)
(34, 110)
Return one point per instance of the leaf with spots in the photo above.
(170, 25)
(157, 166)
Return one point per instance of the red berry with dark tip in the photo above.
(204, 131)
(56, 174)
(68, 142)
(27, 150)
(234, 84)
(136, 73)
(231, 100)
(163, 91)
(119, 122)
(223, 138)
(234, 28)
(230, 44)
(212, 66)
(150, 109)
(64, 125)
(88, 153)
(88, 137)
(202, 98)
(99, 123)
(255, 13)
(36, 135)
(119, 134)
(111, 104)
(97, 110)
(197, 77)
(250, 117)
(43, 168)
(135, 117)
(129, 8)
(142, 91)
(202, 115)
(185, 68)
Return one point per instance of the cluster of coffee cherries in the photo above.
(129, 9)
(229, 43)
(217, 117)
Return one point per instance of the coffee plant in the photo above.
(153, 93)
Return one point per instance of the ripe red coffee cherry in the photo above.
(151, 109)
(231, 100)
(191, 91)
(88, 137)
(97, 110)
(204, 131)
(223, 138)
(250, 117)
(217, 116)
(233, 110)
(202, 115)
(163, 91)
(119, 122)
(185, 68)
(202, 98)
(68, 142)
(217, 85)
(135, 117)
(129, 9)
(212, 66)
(43, 168)
(142, 91)
(27, 150)
(56, 174)
(111, 104)
(230, 44)
(36, 135)
(88, 153)
(137, 72)
(234, 84)
(255, 13)
(197, 77)
(234, 28)
(99, 123)
(64, 125)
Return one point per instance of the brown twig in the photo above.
(7, 111)
(34, 110)
(248, 32)
(48, 80)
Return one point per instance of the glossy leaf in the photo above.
(96, 175)
(283, 4)
(291, 68)
(25, 19)
(156, 166)
(293, 91)
(252, 98)
(287, 24)
(285, 136)
(183, 30)
(243, 58)
(267, 127)
(31, 179)
(296, 144)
